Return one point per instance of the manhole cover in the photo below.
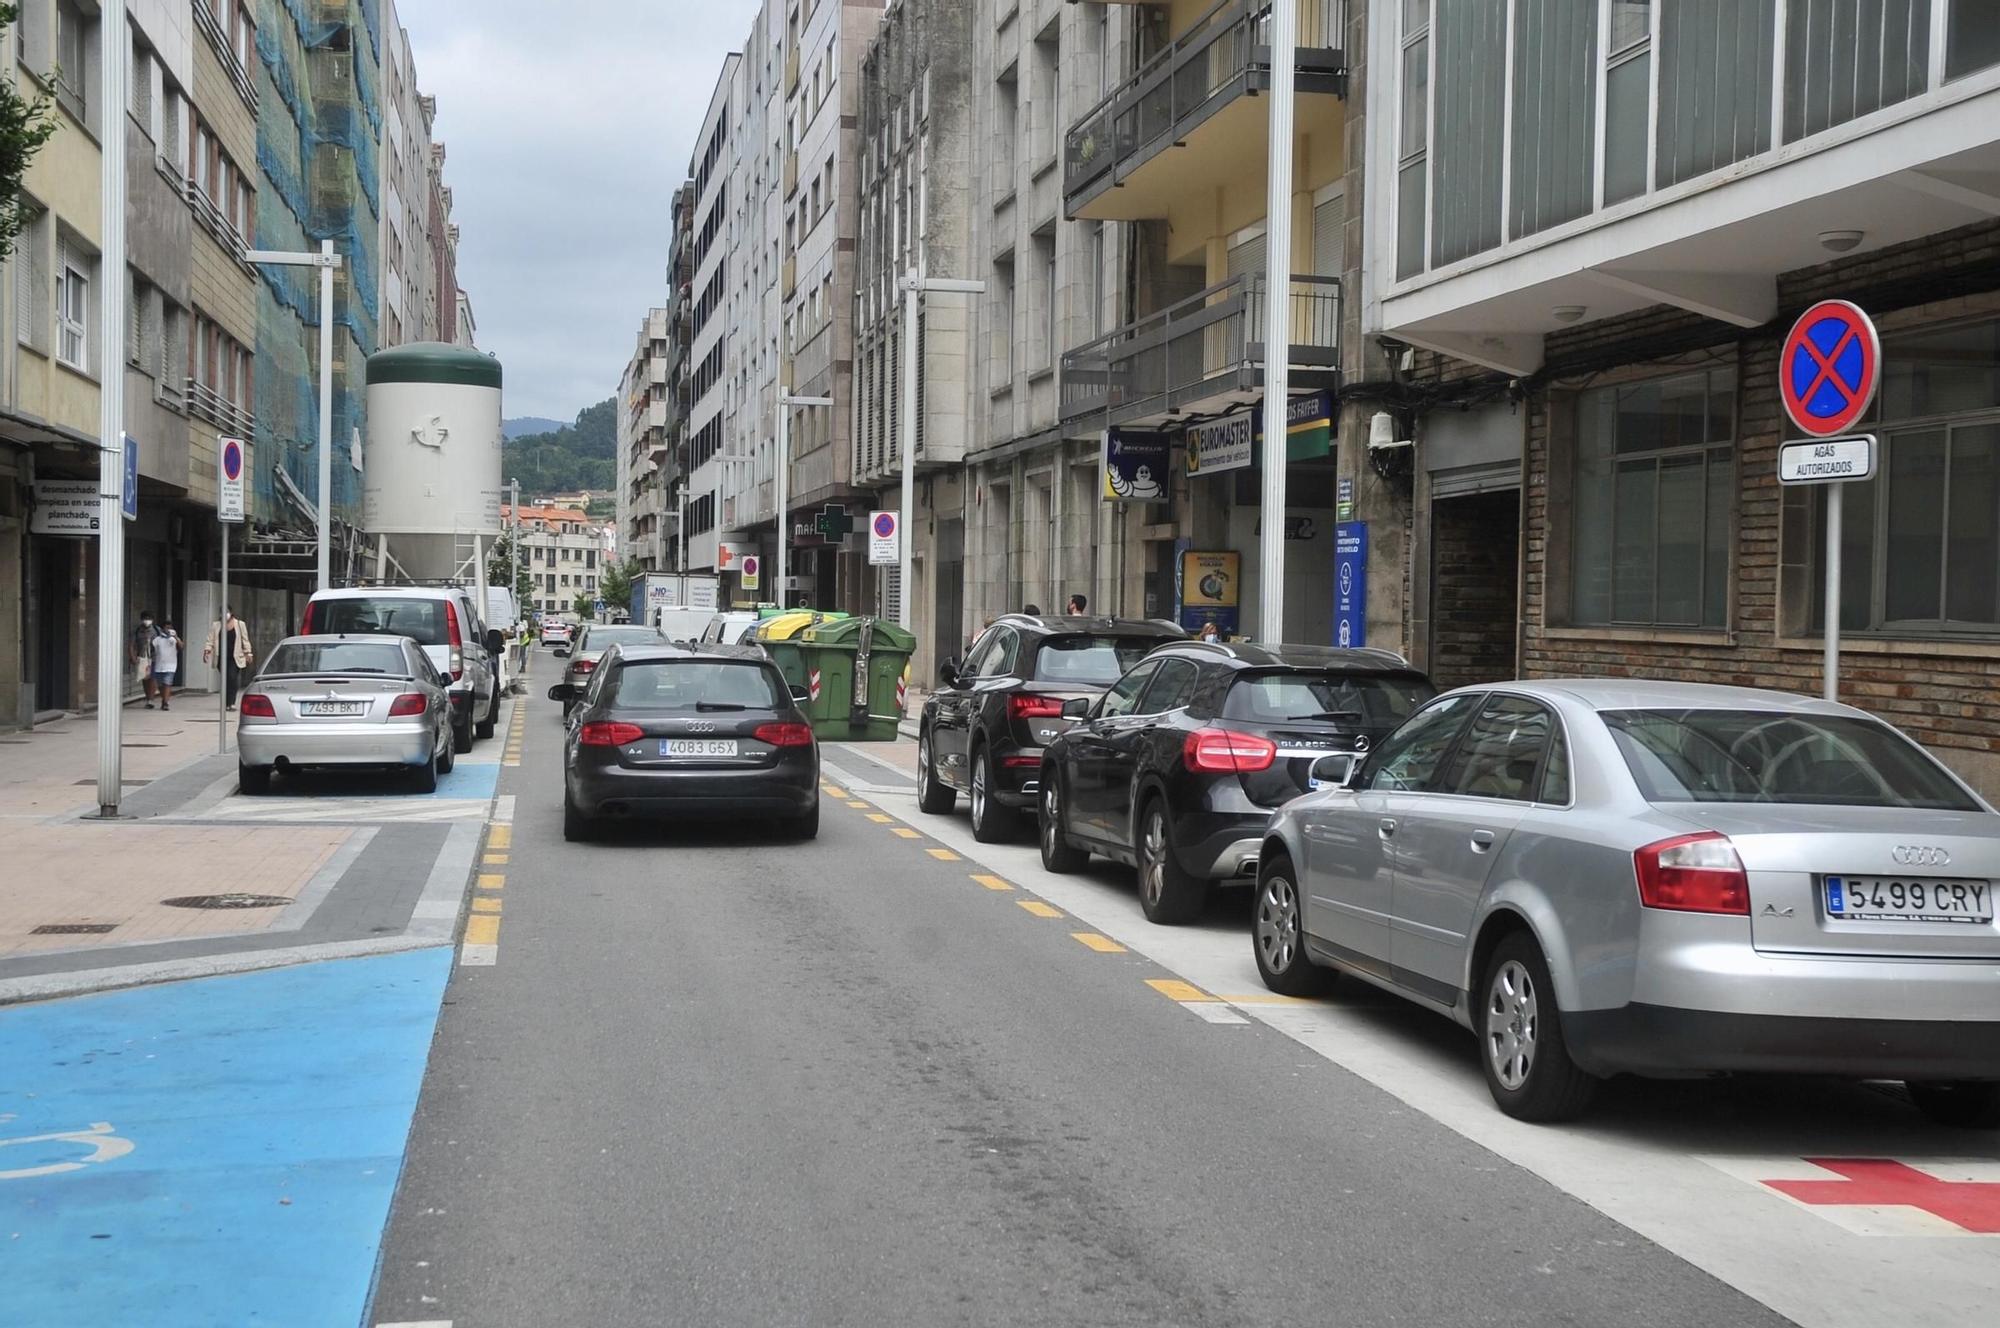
(226, 901)
(73, 929)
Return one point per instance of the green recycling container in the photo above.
(860, 665)
(779, 637)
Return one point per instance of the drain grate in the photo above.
(73, 929)
(226, 901)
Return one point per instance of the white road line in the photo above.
(1660, 1174)
(478, 956)
(1215, 1012)
(423, 1323)
(503, 809)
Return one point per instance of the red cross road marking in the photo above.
(1971, 1204)
(1826, 373)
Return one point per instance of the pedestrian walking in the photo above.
(236, 654)
(141, 653)
(166, 663)
(1032, 610)
(1211, 632)
(1078, 606)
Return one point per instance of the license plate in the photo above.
(697, 746)
(317, 708)
(1887, 899)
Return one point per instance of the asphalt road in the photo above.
(716, 1079)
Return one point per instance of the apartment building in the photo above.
(1594, 336)
(563, 551)
(672, 454)
(710, 244)
(411, 295)
(645, 409)
(915, 215)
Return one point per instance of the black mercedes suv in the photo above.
(984, 728)
(1177, 767)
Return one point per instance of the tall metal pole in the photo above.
(327, 265)
(223, 654)
(1277, 324)
(514, 559)
(780, 485)
(1834, 503)
(111, 421)
(912, 298)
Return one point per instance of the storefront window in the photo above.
(1655, 486)
(1920, 543)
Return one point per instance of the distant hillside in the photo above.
(528, 424)
(566, 457)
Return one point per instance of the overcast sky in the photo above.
(567, 127)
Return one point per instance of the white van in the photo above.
(683, 624)
(445, 622)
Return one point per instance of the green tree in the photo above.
(579, 456)
(25, 125)
(615, 587)
(585, 606)
(498, 560)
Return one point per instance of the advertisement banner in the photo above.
(64, 507)
(1135, 466)
(1350, 584)
(1220, 445)
(1211, 589)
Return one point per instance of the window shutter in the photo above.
(892, 589)
(134, 318)
(1247, 258)
(26, 280)
(1328, 247)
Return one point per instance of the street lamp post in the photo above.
(1277, 323)
(112, 478)
(328, 262)
(786, 401)
(915, 287)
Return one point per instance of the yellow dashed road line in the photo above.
(1101, 944)
(992, 882)
(500, 837)
(491, 880)
(1176, 990)
(881, 818)
(859, 806)
(485, 904)
(482, 929)
(942, 854)
(904, 832)
(834, 792)
(494, 860)
(1039, 909)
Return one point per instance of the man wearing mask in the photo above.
(141, 651)
(237, 656)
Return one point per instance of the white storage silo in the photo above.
(430, 483)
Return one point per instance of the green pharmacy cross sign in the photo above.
(833, 522)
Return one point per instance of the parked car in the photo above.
(556, 632)
(591, 643)
(1177, 768)
(678, 731)
(445, 621)
(983, 730)
(727, 628)
(1602, 877)
(349, 702)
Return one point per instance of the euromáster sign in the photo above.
(1229, 443)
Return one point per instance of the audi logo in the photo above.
(702, 726)
(1920, 855)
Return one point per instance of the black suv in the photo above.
(1176, 769)
(983, 730)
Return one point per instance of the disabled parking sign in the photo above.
(1830, 368)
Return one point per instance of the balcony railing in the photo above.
(1224, 53)
(1207, 345)
(209, 404)
(211, 27)
(212, 219)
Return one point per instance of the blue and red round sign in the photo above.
(232, 459)
(1830, 368)
(885, 525)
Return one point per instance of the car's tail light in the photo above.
(1225, 752)
(603, 734)
(1693, 874)
(1026, 705)
(306, 627)
(255, 705)
(582, 665)
(409, 703)
(785, 735)
(457, 640)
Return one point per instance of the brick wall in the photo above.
(1474, 574)
(1946, 694)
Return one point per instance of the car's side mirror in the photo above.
(562, 652)
(495, 643)
(1336, 771)
(948, 673)
(1077, 707)
(801, 693)
(562, 691)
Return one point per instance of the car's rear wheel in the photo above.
(1277, 934)
(807, 826)
(425, 776)
(992, 822)
(1169, 894)
(461, 733)
(577, 828)
(253, 781)
(933, 794)
(1522, 1051)
(447, 759)
(1963, 1104)
(492, 719)
(1058, 853)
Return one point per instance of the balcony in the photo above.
(791, 173)
(1198, 95)
(788, 276)
(1203, 356)
(206, 403)
(206, 19)
(791, 69)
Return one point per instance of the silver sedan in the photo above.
(344, 701)
(1603, 877)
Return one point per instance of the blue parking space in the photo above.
(221, 1151)
(467, 779)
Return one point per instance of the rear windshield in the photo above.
(603, 638)
(1097, 661)
(1765, 756)
(420, 619)
(1375, 700)
(697, 684)
(339, 657)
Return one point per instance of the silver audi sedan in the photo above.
(348, 702)
(1602, 877)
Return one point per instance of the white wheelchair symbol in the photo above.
(104, 1146)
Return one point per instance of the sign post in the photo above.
(1827, 374)
(228, 513)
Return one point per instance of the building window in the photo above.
(31, 278)
(1836, 69)
(1550, 162)
(1003, 330)
(1716, 59)
(73, 272)
(1470, 110)
(1628, 81)
(1413, 137)
(1655, 486)
(1920, 542)
(74, 31)
(1045, 254)
(1972, 40)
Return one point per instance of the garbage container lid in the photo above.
(847, 632)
